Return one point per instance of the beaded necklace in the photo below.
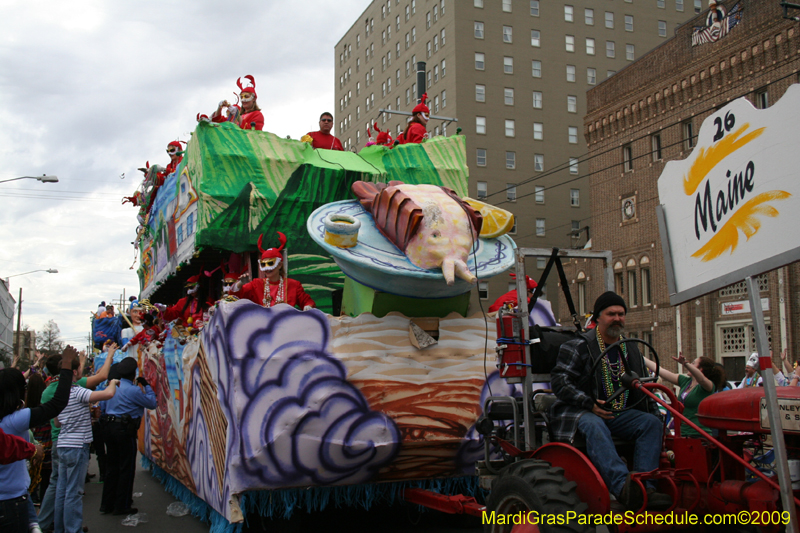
(612, 373)
(279, 298)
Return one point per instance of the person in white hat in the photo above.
(751, 377)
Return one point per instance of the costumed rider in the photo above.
(120, 423)
(276, 287)
(415, 132)
(189, 308)
(175, 151)
(751, 376)
(251, 116)
(581, 406)
(229, 280)
(511, 296)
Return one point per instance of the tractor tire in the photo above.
(533, 486)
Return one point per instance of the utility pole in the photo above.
(18, 351)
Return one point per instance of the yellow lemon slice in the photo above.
(496, 221)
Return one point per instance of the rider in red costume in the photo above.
(251, 116)
(415, 131)
(281, 288)
(190, 306)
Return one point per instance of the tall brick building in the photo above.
(650, 113)
(515, 74)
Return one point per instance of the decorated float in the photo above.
(270, 410)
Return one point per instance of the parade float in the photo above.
(273, 410)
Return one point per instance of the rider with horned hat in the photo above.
(276, 287)
(251, 116)
(415, 131)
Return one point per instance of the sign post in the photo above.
(771, 396)
(723, 217)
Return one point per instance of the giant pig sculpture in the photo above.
(429, 223)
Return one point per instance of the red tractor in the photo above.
(538, 485)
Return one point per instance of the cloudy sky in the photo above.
(91, 89)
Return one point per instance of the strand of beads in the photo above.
(612, 373)
(279, 298)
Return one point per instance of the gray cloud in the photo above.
(93, 89)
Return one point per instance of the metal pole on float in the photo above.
(771, 398)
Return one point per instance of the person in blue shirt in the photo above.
(121, 419)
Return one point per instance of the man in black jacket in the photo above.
(581, 405)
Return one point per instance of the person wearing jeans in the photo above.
(72, 466)
(583, 405)
(73, 453)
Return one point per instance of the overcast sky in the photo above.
(91, 90)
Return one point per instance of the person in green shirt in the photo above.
(703, 380)
(53, 366)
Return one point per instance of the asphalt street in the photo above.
(154, 500)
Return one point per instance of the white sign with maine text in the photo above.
(732, 208)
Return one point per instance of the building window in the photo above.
(611, 50)
(435, 73)
(538, 131)
(534, 8)
(508, 65)
(480, 93)
(480, 59)
(571, 73)
(444, 68)
(507, 6)
(414, 34)
(479, 30)
(679, 5)
(645, 286)
(629, 52)
(591, 76)
(442, 35)
(444, 99)
(508, 96)
(589, 46)
(413, 7)
(511, 190)
(570, 43)
(507, 34)
(662, 28)
(536, 69)
(428, 48)
(618, 283)
(568, 13)
(582, 298)
(573, 165)
(408, 96)
(539, 194)
(655, 143)
(609, 20)
(627, 157)
(480, 125)
(661, 4)
(762, 98)
(536, 37)
(537, 100)
(510, 128)
(572, 134)
(575, 194)
(482, 186)
(632, 300)
(688, 135)
(698, 6)
(540, 227)
(588, 16)
(483, 286)
(572, 104)
(629, 22)
(538, 162)
(480, 160)
(428, 20)
(511, 163)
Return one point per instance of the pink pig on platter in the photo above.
(430, 224)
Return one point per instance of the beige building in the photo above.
(650, 113)
(514, 74)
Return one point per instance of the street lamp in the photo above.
(49, 271)
(43, 178)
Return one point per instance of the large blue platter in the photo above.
(379, 264)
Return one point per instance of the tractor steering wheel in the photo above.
(627, 379)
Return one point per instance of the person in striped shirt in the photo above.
(73, 452)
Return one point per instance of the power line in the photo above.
(591, 154)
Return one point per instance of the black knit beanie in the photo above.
(606, 300)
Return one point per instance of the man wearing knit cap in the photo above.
(581, 406)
